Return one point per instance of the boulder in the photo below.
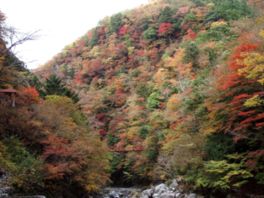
(114, 194)
(174, 185)
(178, 195)
(159, 189)
(191, 195)
(167, 195)
(4, 195)
(147, 193)
(33, 196)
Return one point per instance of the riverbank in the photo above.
(162, 190)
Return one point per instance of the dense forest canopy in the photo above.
(46, 144)
(171, 89)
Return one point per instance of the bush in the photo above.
(152, 147)
(219, 33)
(112, 140)
(191, 53)
(229, 10)
(165, 15)
(144, 131)
(221, 176)
(144, 90)
(26, 171)
(189, 17)
(150, 34)
(115, 22)
(217, 146)
(94, 39)
(153, 100)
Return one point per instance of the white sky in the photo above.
(60, 23)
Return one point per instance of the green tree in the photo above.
(229, 10)
(165, 15)
(115, 22)
(54, 86)
(150, 34)
(191, 54)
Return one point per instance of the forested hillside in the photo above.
(171, 89)
(46, 146)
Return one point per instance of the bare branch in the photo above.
(16, 38)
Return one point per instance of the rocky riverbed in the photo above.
(6, 190)
(173, 190)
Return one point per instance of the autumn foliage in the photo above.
(173, 88)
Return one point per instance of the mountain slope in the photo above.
(175, 88)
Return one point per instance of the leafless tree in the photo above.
(15, 38)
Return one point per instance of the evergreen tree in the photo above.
(54, 86)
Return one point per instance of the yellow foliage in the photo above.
(176, 60)
(255, 101)
(218, 24)
(160, 76)
(173, 102)
(254, 67)
(132, 133)
(261, 33)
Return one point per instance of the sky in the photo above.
(58, 22)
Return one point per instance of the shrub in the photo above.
(189, 17)
(153, 100)
(221, 176)
(165, 15)
(229, 10)
(150, 34)
(115, 22)
(112, 140)
(144, 90)
(25, 169)
(144, 131)
(94, 38)
(217, 146)
(218, 33)
(191, 53)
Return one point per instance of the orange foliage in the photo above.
(31, 94)
(191, 35)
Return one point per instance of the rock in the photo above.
(4, 195)
(32, 196)
(178, 195)
(147, 193)
(160, 189)
(174, 185)
(167, 195)
(117, 192)
(192, 195)
(114, 194)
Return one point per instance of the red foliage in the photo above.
(59, 156)
(78, 78)
(247, 113)
(235, 63)
(123, 30)
(102, 132)
(90, 35)
(31, 94)
(241, 120)
(93, 67)
(191, 35)
(164, 28)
